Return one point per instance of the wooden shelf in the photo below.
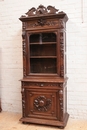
(43, 56)
(38, 43)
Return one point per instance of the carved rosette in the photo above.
(42, 103)
(61, 104)
(23, 100)
(24, 48)
(62, 54)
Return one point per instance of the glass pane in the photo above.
(42, 37)
(34, 38)
(43, 50)
(43, 58)
(48, 37)
(45, 65)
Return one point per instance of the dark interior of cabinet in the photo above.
(43, 55)
(43, 65)
(44, 37)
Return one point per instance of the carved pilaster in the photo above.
(61, 104)
(62, 54)
(24, 48)
(23, 100)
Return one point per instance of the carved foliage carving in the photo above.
(42, 103)
(61, 104)
(62, 54)
(24, 48)
(23, 100)
(61, 44)
(42, 10)
(43, 22)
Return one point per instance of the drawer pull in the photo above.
(41, 85)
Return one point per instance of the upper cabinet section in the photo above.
(44, 42)
(43, 17)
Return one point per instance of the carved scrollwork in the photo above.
(31, 12)
(42, 10)
(42, 103)
(52, 10)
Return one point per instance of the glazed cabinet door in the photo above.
(42, 103)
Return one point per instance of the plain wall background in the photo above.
(11, 52)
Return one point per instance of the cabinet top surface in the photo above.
(46, 79)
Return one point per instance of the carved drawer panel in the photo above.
(42, 85)
(41, 103)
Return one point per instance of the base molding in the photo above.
(61, 124)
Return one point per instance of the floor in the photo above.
(10, 121)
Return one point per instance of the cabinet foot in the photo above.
(61, 127)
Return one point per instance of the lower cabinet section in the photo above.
(41, 103)
(44, 104)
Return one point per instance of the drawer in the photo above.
(42, 85)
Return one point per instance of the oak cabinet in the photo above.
(44, 83)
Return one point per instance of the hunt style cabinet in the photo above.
(44, 91)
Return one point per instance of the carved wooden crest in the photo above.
(42, 10)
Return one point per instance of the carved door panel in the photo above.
(42, 103)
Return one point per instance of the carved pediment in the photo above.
(42, 10)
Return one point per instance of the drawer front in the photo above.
(41, 103)
(42, 85)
